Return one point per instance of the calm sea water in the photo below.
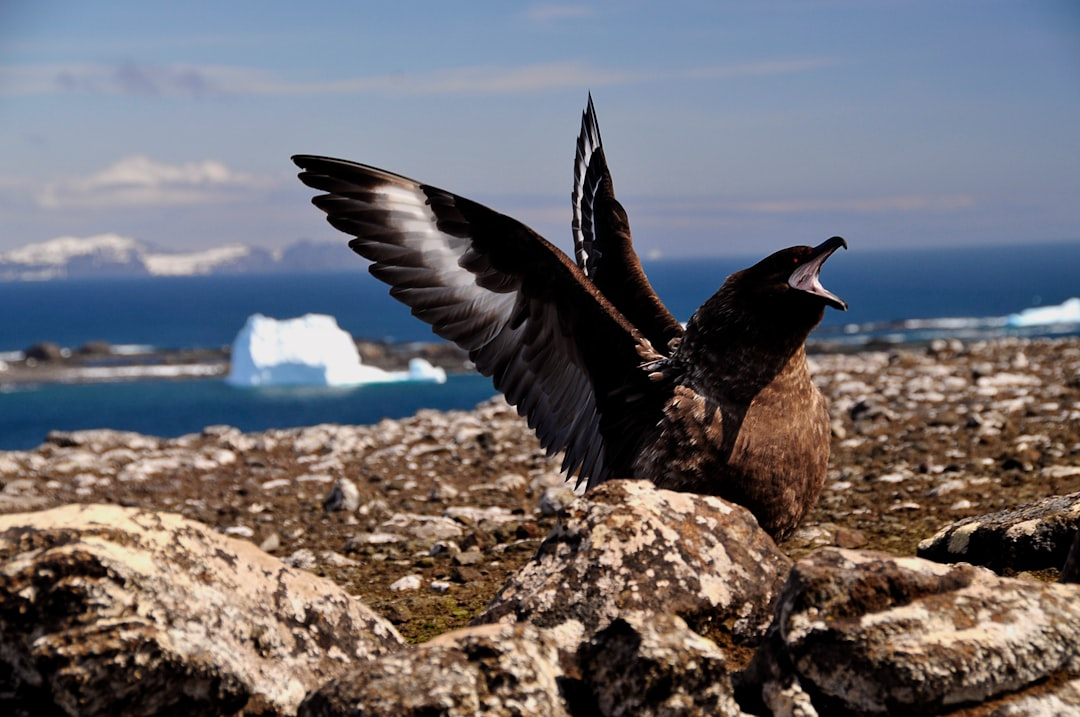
(883, 289)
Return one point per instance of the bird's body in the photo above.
(588, 353)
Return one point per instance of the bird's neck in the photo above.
(744, 351)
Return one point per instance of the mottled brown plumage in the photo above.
(597, 365)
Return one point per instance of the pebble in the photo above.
(472, 515)
(304, 558)
(423, 527)
(850, 538)
(554, 499)
(344, 496)
(409, 582)
(948, 486)
(337, 560)
(468, 557)
(512, 482)
(442, 492)
(271, 544)
(443, 548)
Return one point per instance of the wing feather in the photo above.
(529, 319)
(603, 245)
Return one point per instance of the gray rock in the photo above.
(343, 496)
(648, 665)
(628, 546)
(1032, 537)
(405, 584)
(556, 498)
(487, 671)
(428, 528)
(867, 633)
(109, 610)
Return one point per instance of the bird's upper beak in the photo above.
(808, 276)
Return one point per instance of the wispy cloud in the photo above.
(139, 180)
(130, 79)
(205, 81)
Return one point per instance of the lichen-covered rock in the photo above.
(1032, 537)
(110, 610)
(653, 665)
(1058, 701)
(628, 546)
(487, 671)
(867, 633)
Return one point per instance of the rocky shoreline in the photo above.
(426, 519)
(98, 361)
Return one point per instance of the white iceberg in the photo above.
(1067, 312)
(309, 351)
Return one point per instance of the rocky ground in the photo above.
(426, 517)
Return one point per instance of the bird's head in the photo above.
(792, 278)
(782, 295)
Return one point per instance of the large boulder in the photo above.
(868, 633)
(1036, 536)
(110, 610)
(486, 671)
(652, 665)
(631, 547)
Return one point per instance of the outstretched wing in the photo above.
(603, 245)
(526, 315)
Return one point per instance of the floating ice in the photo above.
(309, 351)
(1067, 312)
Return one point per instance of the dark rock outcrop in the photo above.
(1031, 537)
(44, 351)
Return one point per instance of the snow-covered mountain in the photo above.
(106, 255)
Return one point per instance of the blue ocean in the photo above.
(895, 297)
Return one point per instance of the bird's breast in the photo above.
(769, 454)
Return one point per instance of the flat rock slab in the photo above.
(485, 671)
(1036, 536)
(110, 610)
(868, 633)
(630, 547)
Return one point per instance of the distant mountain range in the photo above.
(107, 255)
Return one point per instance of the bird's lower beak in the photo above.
(808, 276)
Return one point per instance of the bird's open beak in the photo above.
(808, 276)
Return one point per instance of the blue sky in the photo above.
(731, 127)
